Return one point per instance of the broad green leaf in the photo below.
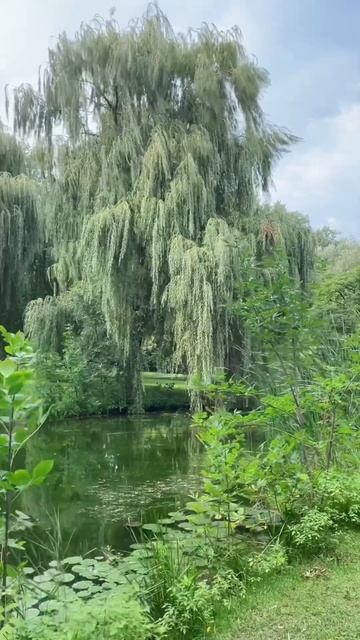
(50, 605)
(197, 507)
(155, 528)
(5, 333)
(72, 560)
(16, 381)
(42, 578)
(5, 485)
(41, 470)
(199, 519)
(16, 544)
(166, 521)
(64, 577)
(5, 405)
(81, 585)
(4, 441)
(176, 515)
(32, 613)
(21, 435)
(20, 477)
(57, 564)
(7, 367)
(12, 571)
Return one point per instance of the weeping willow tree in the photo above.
(20, 233)
(152, 196)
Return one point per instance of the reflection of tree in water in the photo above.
(109, 471)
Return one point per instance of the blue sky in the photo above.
(311, 49)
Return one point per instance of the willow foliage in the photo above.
(20, 231)
(154, 190)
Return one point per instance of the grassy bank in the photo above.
(315, 600)
(165, 392)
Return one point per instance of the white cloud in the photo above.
(259, 22)
(333, 223)
(323, 172)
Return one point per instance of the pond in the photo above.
(108, 473)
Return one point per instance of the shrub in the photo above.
(271, 560)
(339, 493)
(313, 533)
(182, 597)
(118, 616)
(191, 607)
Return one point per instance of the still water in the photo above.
(109, 472)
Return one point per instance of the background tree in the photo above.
(153, 192)
(22, 264)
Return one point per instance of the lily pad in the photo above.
(56, 563)
(81, 585)
(50, 605)
(155, 528)
(64, 577)
(43, 577)
(73, 560)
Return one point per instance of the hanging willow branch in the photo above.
(153, 198)
(20, 243)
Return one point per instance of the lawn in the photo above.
(318, 600)
(165, 391)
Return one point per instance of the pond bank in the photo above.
(314, 600)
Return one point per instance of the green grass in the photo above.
(318, 600)
(165, 391)
(152, 377)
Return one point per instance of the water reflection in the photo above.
(109, 472)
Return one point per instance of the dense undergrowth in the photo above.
(259, 510)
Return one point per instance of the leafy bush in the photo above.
(339, 493)
(271, 560)
(78, 381)
(189, 608)
(182, 597)
(21, 417)
(101, 618)
(313, 533)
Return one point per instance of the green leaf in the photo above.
(11, 570)
(32, 613)
(21, 435)
(155, 528)
(56, 564)
(7, 367)
(19, 478)
(197, 507)
(82, 584)
(42, 470)
(6, 334)
(64, 577)
(41, 578)
(166, 521)
(72, 560)
(4, 441)
(50, 605)
(5, 405)
(5, 485)
(16, 381)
